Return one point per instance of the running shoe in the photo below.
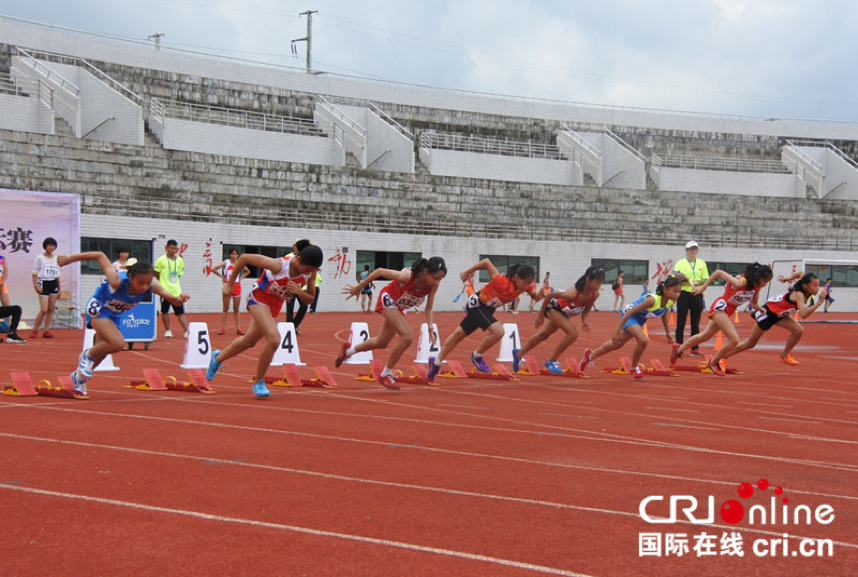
(638, 373)
(168, 334)
(260, 390)
(388, 382)
(696, 353)
(343, 355)
(14, 338)
(84, 365)
(480, 363)
(213, 367)
(222, 332)
(47, 335)
(675, 355)
(433, 369)
(79, 385)
(240, 332)
(586, 361)
(789, 360)
(516, 362)
(34, 335)
(553, 367)
(716, 368)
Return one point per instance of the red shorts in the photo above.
(274, 303)
(236, 289)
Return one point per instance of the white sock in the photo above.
(350, 352)
(386, 372)
(477, 355)
(436, 361)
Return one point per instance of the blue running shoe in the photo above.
(260, 390)
(480, 363)
(553, 367)
(79, 385)
(214, 366)
(433, 369)
(84, 365)
(516, 362)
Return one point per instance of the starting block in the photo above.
(22, 386)
(292, 378)
(420, 376)
(571, 368)
(155, 382)
(64, 391)
(501, 373)
(625, 369)
(659, 370)
(456, 371)
(703, 367)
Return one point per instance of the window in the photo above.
(504, 262)
(139, 249)
(731, 268)
(636, 271)
(841, 275)
(378, 259)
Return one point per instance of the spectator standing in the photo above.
(168, 268)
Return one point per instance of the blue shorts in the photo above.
(633, 321)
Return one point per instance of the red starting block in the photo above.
(571, 368)
(155, 382)
(659, 370)
(22, 386)
(501, 373)
(703, 367)
(625, 369)
(292, 378)
(420, 376)
(456, 371)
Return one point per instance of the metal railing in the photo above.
(49, 73)
(18, 86)
(721, 164)
(234, 117)
(480, 145)
(344, 118)
(581, 142)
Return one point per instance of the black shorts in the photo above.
(477, 315)
(49, 287)
(766, 319)
(165, 307)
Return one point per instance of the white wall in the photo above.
(841, 178)
(723, 182)
(496, 167)
(565, 260)
(387, 148)
(26, 114)
(248, 143)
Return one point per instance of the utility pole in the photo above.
(157, 37)
(308, 39)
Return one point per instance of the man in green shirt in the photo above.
(692, 271)
(168, 269)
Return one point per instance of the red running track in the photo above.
(543, 475)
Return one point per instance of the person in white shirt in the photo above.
(46, 283)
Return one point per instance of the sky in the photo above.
(760, 58)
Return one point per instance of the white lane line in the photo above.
(297, 529)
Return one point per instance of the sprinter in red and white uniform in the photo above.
(778, 312)
(739, 291)
(559, 308)
(281, 281)
(480, 311)
(408, 289)
(224, 270)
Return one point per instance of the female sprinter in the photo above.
(479, 312)
(739, 290)
(559, 308)
(408, 288)
(777, 312)
(281, 280)
(121, 292)
(632, 322)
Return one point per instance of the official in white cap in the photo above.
(692, 271)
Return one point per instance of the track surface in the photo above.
(542, 475)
